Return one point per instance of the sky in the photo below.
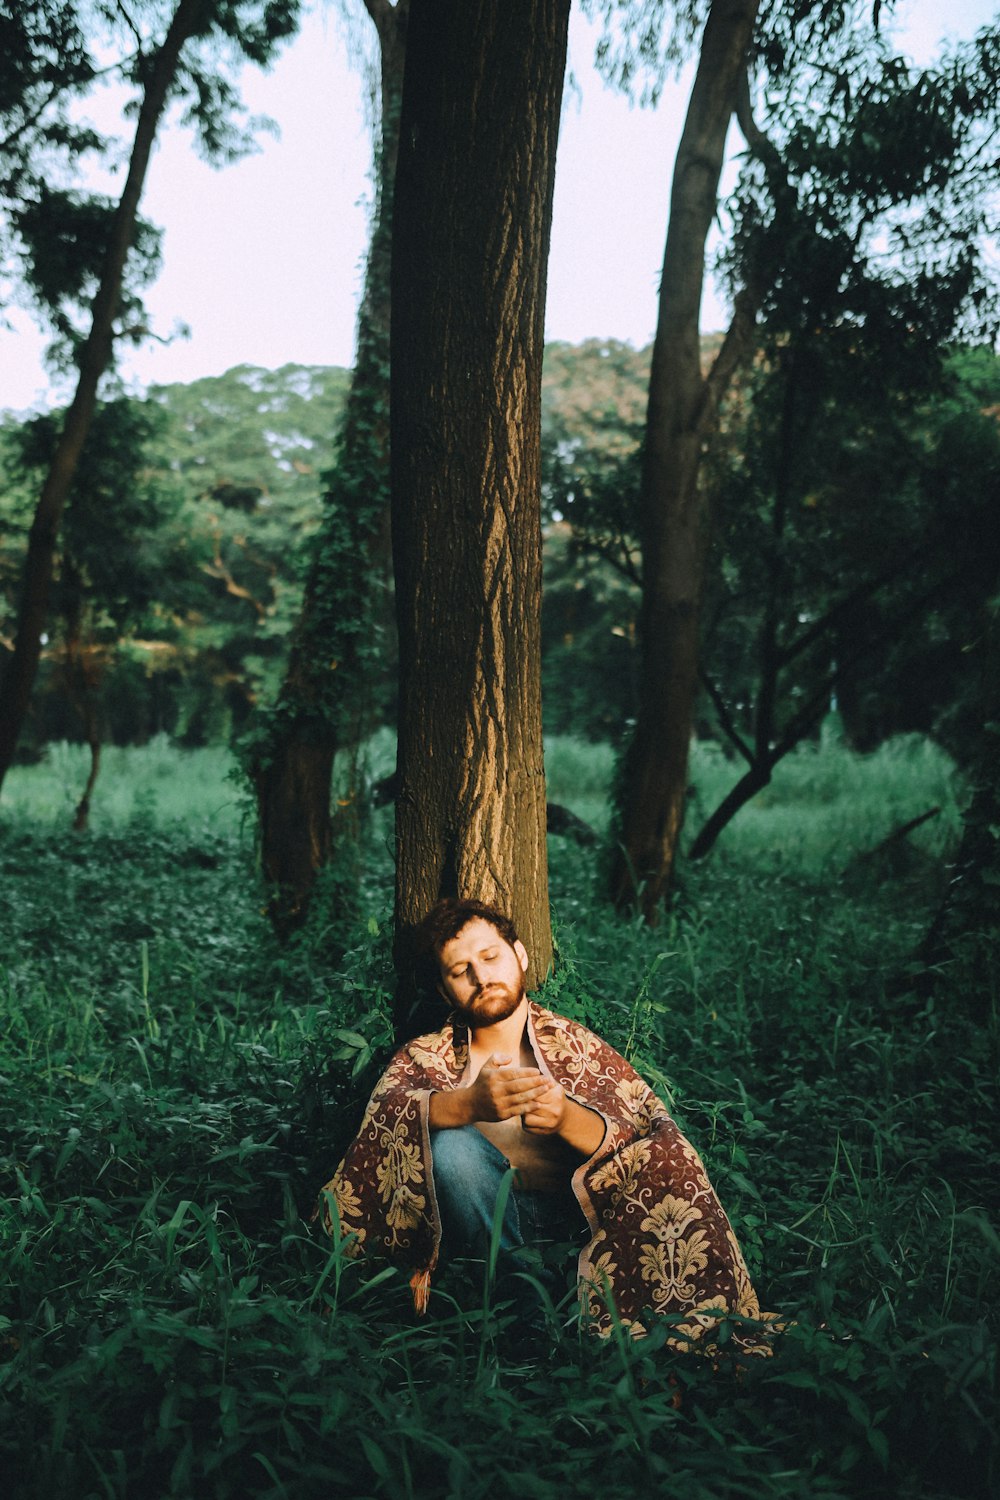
(263, 259)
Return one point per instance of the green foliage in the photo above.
(184, 540)
(160, 788)
(113, 548)
(176, 1088)
(855, 549)
(64, 235)
(53, 235)
(593, 403)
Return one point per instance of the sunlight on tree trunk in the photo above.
(472, 219)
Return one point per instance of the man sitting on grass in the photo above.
(596, 1157)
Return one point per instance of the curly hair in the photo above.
(447, 917)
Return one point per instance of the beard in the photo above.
(493, 1003)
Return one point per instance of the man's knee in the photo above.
(468, 1171)
(465, 1159)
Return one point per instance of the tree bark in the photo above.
(95, 355)
(328, 683)
(683, 407)
(479, 126)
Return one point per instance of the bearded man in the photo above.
(596, 1158)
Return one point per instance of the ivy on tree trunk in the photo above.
(339, 645)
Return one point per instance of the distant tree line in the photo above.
(188, 533)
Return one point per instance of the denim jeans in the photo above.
(468, 1171)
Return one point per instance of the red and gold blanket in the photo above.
(660, 1241)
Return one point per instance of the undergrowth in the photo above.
(174, 1088)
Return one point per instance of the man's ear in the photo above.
(522, 956)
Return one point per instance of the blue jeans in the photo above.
(468, 1171)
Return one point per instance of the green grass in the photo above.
(174, 1087)
(158, 786)
(824, 804)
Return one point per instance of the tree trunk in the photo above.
(750, 783)
(325, 699)
(95, 355)
(682, 409)
(480, 120)
(82, 675)
(962, 947)
(81, 818)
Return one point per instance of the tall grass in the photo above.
(174, 1087)
(158, 785)
(824, 804)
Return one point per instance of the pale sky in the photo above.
(263, 259)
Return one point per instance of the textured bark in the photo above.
(95, 355)
(322, 700)
(473, 209)
(683, 407)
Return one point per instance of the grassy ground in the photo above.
(174, 1087)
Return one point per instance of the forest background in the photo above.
(185, 1053)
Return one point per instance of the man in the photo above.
(505, 1083)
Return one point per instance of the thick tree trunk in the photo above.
(328, 685)
(479, 126)
(95, 355)
(682, 409)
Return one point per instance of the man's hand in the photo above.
(554, 1113)
(502, 1091)
(547, 1111)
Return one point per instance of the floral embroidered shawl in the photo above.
(660, 1239)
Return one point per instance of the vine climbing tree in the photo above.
(339, 647)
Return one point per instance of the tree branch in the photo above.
(758, 140)
(131, 26)
(735, 345)
(801, 722)
(748, 299)
(850, 601)
(90, 76)
(726, 721)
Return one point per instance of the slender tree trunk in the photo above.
(81, 818)
(682, 409)
(325, 699)
(473, 209)
(750, 783)
(95, 355)
(82, 675)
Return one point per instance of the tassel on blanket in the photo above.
(420, 1286)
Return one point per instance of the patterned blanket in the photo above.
(660, 1241)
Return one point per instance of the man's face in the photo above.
(482, 974)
